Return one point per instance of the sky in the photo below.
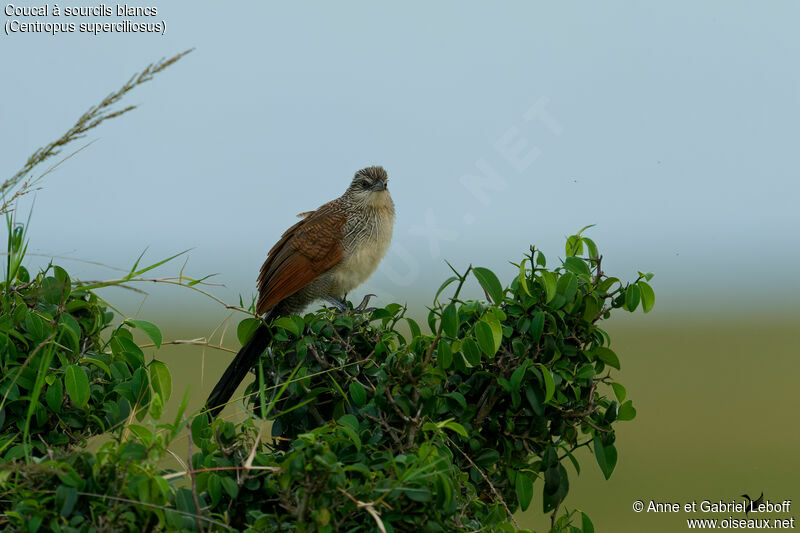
(672, 127)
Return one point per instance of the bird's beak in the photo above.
(379, 185)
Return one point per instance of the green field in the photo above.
(717, 417)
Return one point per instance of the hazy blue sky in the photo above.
(673, 127)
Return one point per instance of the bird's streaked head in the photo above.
(369, 185)
(370, 179)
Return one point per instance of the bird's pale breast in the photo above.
(371, 243)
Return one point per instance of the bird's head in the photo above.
(370, 179)
(369, 186)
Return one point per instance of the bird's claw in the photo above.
(340, 306)
(343, 308)
(362, 307)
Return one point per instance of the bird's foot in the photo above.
(362, 307)
(339, 305)
(343, 308)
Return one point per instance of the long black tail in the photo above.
(237, 370)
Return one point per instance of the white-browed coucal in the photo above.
(326, 255)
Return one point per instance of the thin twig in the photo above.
(369, 507)
(154, 506)
(486, 479)
(200, 341)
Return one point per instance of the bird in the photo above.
(325, 255)
(752, 505)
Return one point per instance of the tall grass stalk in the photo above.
(25, 181)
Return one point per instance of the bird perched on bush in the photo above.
(327, 254)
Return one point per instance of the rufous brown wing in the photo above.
(305, 251)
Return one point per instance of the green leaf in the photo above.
(444, 492)
(67, 474)
(430, 426)
(349, 424)
(578, 267)
(431, 320)
(416, 332)
(490, 283)
(73, 329)
(648, 296)
(417, 494)
(606, 457)
(567, 286)
(619, 392)
(450, 321)
(161, 379)
(574, 245)
(443, 354)
(176, 424)
(66, 497)
(214, 488)
(549, 383)
(556, 486)
(357, 393)
(142, 433)
(585, 372)
(323, 517)
(537, 326)
(288, 324)
(230, 486)
(458, 398)
(348, 420)
(586, 524)
(77, 385)
(549, 280)
(150, 329)
(98, 363)
(130, 350)
(488, 458)
(55, 396)
(154, 265)
(156, 406)
(591, 246)
(524, 489)
(246, 329)
(517, 375)
(591, 306)
(471, 351)
(490, 317)
(632, 296)
(626, 411)
(299, 323)
(458, 428)
(483, 333)
(607, 356)
(522, 279)
(443, 286)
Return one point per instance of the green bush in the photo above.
(445, 431)
(60, 382)
(448, 430)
